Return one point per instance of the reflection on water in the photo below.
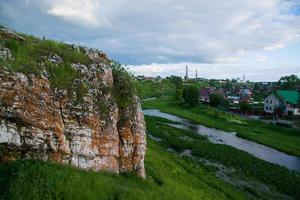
(229, 138)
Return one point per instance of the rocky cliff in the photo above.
(67, 111)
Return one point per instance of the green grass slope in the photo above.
(169, 177)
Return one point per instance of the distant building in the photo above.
(245, 93)
(245, 99)
(233, 99)
(140, 77)
(149, 78)
(204, 93)
(285, 100)
(219, 91)
(264, 87)
(244, 78)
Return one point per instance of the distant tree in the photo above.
(218, 100)
(288, 82)
(176, 80)
(190, 95)
(233, 81)
(178, 94)
(228, 85)
(215, 99)
(256, 87)
(225, 103)
(211, 82)
(245, 107)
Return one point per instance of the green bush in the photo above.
(178, 94)
(245, 107)
(81, 90)
(123, 88)
(123, 91)
(217, 100)
(103, 107)
(62, 75)
(13, 46)
(190, 95)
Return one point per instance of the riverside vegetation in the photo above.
(281, 138)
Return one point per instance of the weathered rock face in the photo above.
(40, 121)
(5, 53)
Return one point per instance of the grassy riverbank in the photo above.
(245, 164)
(169, 177)
(281, 138)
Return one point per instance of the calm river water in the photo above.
(221, 137)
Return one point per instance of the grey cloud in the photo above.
(162, 31)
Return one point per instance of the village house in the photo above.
(204, 93)
(285, 100)
(233, 99)
(245, 99)
(245, 96)
(245, 93)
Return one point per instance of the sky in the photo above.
(219, 38)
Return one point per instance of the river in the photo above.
(230, 138)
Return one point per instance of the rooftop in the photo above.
(290, 96)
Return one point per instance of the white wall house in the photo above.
(285, 99)
(271, 103)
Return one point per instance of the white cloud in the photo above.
(82, 12)
(257, 72)
(163, 31)
(261, 58)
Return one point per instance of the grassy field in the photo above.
(281, 138)
(149, 88)
(169, 177)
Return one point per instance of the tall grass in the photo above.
(30, 57)
(62, 75)
(168, 177)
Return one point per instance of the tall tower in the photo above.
(186, 72)
(196, 74)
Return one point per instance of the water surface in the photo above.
(229, 138)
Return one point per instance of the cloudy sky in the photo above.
(219, 38)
